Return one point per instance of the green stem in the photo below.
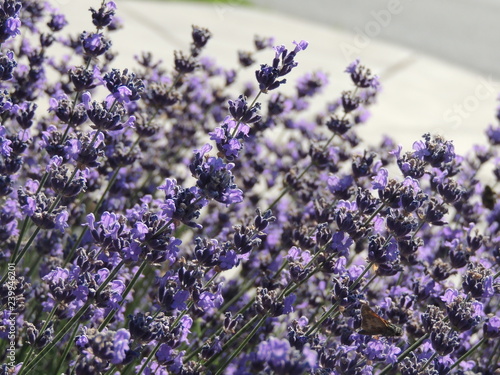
(33, 267)
(29, 366)
(37, 230)
(127, 290)
(234, 338)
(420, 225)
(24, 228)
(288, 188)
(242, 345)
(150, 357)
(66, 351)
(373, 215)
(403, 355)
(282, 194)
(496, 358)
(335, 305)
(469, 352)
(288, 290)
(429, 361)
(27, 246)
(241, 291)
(239, 122)
(128, 369)
(358, 280)
(400, 278)
(98, 206)
(322, 319)
(111, 370)
(218, 332)
(369, 282)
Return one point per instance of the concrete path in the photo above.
(420, 93)
(462, 32)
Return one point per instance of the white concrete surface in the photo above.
(420, 94)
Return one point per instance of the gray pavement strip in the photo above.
(462, 32)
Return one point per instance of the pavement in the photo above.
(420, 93)
(463, 32)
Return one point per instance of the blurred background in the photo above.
(462, 32)
(438, 60)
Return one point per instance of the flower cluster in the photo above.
(154, 221)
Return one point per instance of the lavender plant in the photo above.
(157, 221)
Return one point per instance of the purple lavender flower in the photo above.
(444, 339)
(101, 115)
(263, 42)
(184, 64)
(200, 36)
(311, 84)
(121, 346)
(64, 110)
(182, 204)
(7, 65)
(493, 134)
(124, 87)
(478, 281)
(267, 75)
(108, 346)
(228, 144)
(5, 148)
(377, 350)
(281, 358)
(340, 186)
(241, 113)
(166, 355)
(39, 210)
(82, 79)
(380, 181)
(463, 315)
(214, 178)
(94, 44)
(9, 27)
(104, 16)
(107, 211)
(57, 22)
(361, 76)
(491, 328)
(341, 243)
(435, 151)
